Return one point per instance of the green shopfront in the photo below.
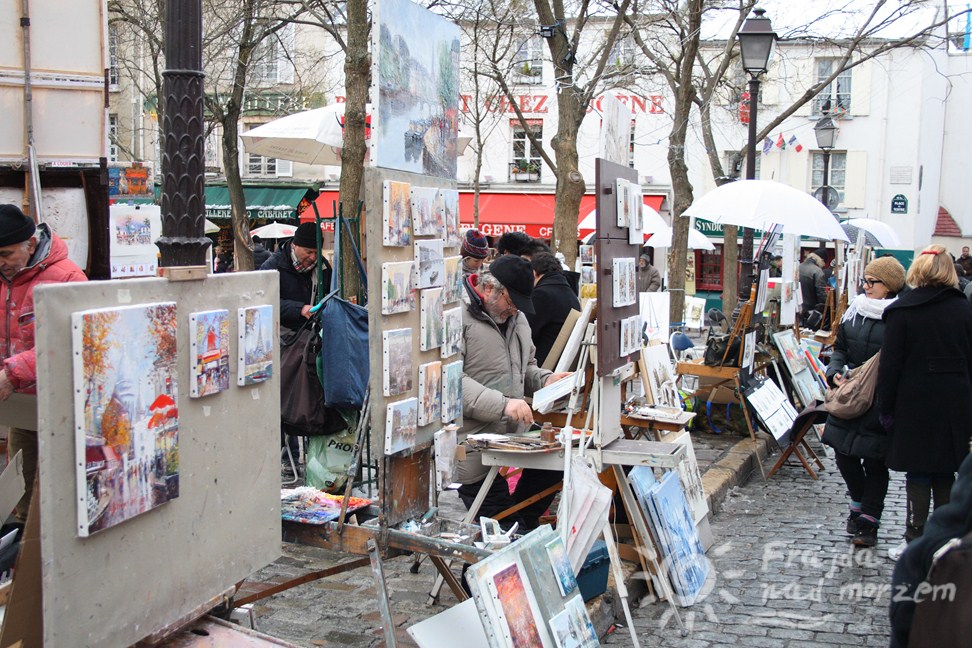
(263, 202)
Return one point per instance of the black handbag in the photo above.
(302, 409)
(715, 351)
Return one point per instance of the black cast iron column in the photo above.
(183, 241)
(746, 252)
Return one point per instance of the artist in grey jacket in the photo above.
(499, 369)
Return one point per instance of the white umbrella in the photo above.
(274, 231)
(696, 240)
(760, 204)
(882, 233)
(210, 227)
(312, 137)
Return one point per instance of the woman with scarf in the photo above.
(861, 443)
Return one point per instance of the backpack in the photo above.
(943, 601)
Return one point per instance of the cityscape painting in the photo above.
(255, 345)
(416, 72)
(209, 352)
(126, 415)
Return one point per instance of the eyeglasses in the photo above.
(869, 283)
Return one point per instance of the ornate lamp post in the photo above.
(756, 40)
(826, 132)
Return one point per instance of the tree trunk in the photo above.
(242, 243)
(357, 78)
(730, 268)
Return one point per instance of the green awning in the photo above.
(261, 202)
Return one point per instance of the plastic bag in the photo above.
(328, 458)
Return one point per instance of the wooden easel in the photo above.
(796, 442)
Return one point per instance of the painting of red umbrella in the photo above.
(126, 413)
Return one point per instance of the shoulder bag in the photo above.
(856, 394)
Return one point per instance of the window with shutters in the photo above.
(835, 97)
(258, 166)
(272, 61)
(837, 172)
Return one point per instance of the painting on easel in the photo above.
(209, 352)
(126, 416)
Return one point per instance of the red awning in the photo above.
(499, 213)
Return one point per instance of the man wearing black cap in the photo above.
(295, 260)
(499, 368)
(29, 255)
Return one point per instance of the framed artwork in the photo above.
(790, 350)
(401, 424)
(126, 415)
(630, 335)
(654, 314)
(416, 129)
(582, 633)
(518, 609)
(452, 284)
(587, 275)
(451, 391)
(587, 254)
(623, 202)
(397, 287)
(660, 376)
(425, 208)
(450, 216)
(430, 393)
(396, 350)
(625, 289)
(694, 312)
(562, 570)
(691, 479)
(636, 204)
(209, 352)
(451, 332)
(430, 324)
(429, 263)
(445, 443)
(396, 214)
(255, 345)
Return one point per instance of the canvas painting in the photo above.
(429, 263)
(790, 350)
(430, 324)
(688, 475)
(580, 623)
(396, 214)
(660, 376)
(255, 344)
(623, 202)
(397, 287)
(449, 201)
(132, 231)
(425, 208)
(451, 332)
(694, 312)
(126, 415)
(452, 283)
(557, 555)
(625, 288)
(615, 129)
(396, 348)
(635, 211)
(445, 444)
(587, 254)
(630, 335)
(587, 275)
(401, 424)
(451, 391)
(209, 352)
(517, 606)
(417, 89)
(430, 393)
(681, 549)
(654, 314)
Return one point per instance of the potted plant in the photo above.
(525, 170)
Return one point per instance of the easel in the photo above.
(798, 440)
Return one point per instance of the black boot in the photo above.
(867, 533)
(919, 501)
(852, 522)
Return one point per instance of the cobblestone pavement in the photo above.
(784, 573)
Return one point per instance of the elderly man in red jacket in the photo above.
(29, 255)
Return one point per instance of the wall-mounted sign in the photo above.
(899, 204)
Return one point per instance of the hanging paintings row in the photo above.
(527, 595)
(416, 94)
(126, 398)
(625, 289)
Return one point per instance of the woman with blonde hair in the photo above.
(924, 384)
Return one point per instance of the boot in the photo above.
(942, 490)
(851, 526)
(867, 533)
(919, 495)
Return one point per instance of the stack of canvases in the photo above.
(425, 219)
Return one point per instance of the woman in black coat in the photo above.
(860, 444)
(925, 384)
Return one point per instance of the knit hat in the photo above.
(14, 226)
(516, 275)
(306, 236)
(475, 245)
(888, 271)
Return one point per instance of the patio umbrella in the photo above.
(210, 227)
(274, 231)
(696, 240)
(760, 204)
(312, 137)
(877, 234)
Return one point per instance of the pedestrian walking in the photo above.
(860, 444)
(925, 385)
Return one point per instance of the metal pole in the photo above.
(183, 242)
(825, 195)
(746, 253)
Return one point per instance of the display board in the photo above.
(617, 259)
(416, 329)
(220, 519)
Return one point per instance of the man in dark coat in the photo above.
(553, 299)
(295, 260)
(813, 285)
(924, 384)
(260, 253)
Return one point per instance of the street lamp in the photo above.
(756, 40)
(826, 131)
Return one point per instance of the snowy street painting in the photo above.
(255, 345)
(126, 412)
